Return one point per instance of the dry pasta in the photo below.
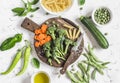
(56, 5)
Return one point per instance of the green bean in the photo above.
(79, 75)
(14, 62)
(92, 54)
(71, 76)
(105, 63)
(26, 58)
(82, 67)
(95, 66)
(93, 74)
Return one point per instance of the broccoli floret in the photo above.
(51, 31)
(47, 48)
(61, 33)
(68, 42)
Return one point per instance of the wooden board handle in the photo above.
(29, 25)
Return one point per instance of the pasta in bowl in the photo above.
(56, 6)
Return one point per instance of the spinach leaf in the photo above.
(81, 2)
(34, 2)
(19, 11)
(35, 63)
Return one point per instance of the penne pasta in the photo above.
(56, 5)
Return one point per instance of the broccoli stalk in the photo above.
(50, 61)
(67, 43)
(51, 31)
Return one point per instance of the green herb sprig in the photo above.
(23, 11)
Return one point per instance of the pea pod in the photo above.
(10, 42)
(26, 58)
(14, 62)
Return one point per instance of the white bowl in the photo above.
(33, 76)
(56, 13)
(98, 23)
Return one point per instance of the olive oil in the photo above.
(41, 78)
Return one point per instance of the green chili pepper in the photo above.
(14, 62)
(26, 58)
(10, 42)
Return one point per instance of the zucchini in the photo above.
(100, 38)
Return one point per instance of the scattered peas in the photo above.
(102, 16)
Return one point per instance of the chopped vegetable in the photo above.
(41, 36)
(35, 63)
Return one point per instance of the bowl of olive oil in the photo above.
(40, 77)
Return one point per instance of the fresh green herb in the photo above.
(10, 42)
(34, 2)
(35, 63)
(19, 11)
(81, 2)
(23, 11)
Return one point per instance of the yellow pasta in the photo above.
(56, 5)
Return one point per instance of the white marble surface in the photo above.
(10, 25)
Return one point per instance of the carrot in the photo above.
(44, 28)
(41, 36)
(37, 44)
(48, 38)
(38, 31)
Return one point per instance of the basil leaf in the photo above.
(34, 2)
(29, 6)
(19, 10)
(34, 9)
(35, 63)
(82, 2)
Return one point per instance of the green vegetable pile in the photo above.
(58, 47)
(23, 11)
(86, 66)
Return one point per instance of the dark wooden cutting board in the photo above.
(31, 26)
